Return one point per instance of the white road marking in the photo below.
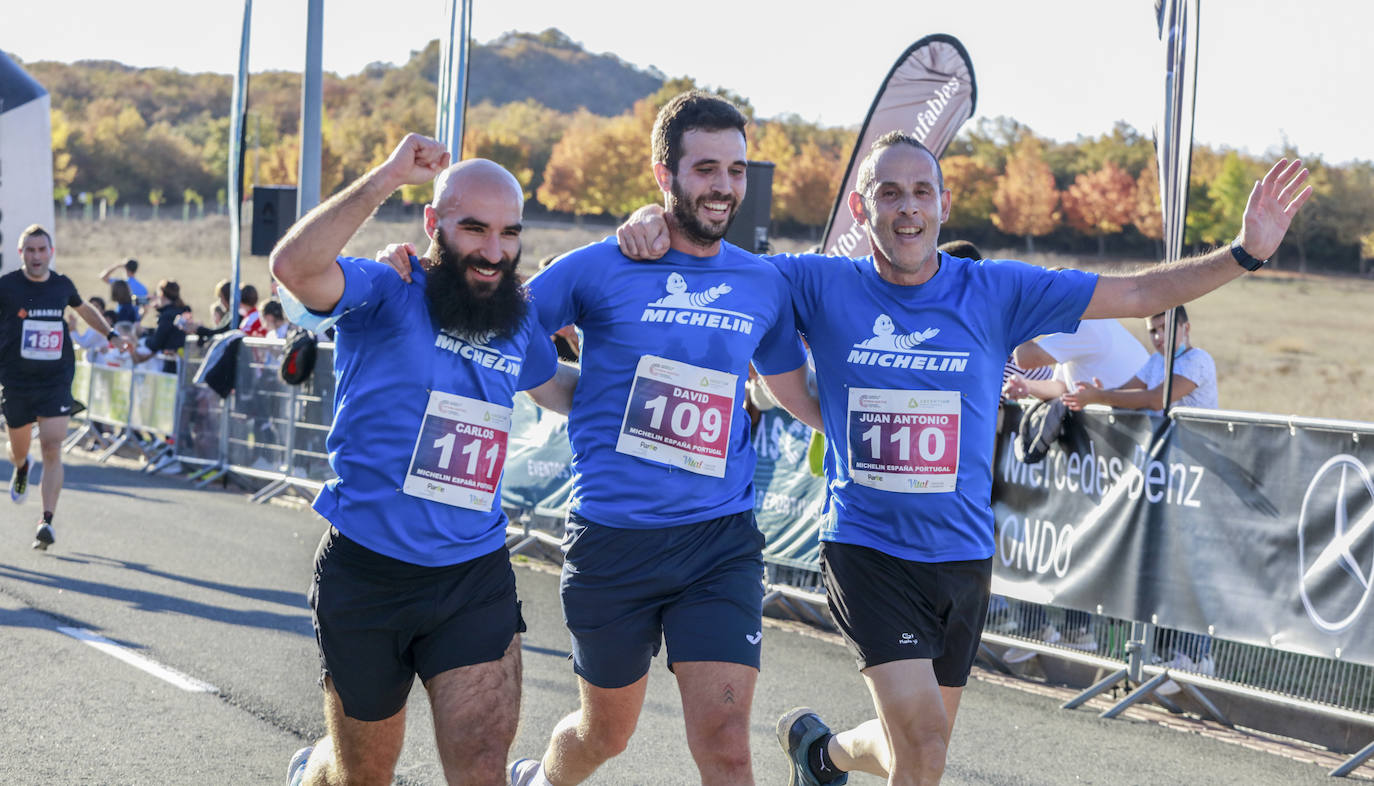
(139, 661)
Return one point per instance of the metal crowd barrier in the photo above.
(128, 407)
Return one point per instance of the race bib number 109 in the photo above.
(679, 414)
(905, 441)
(460, 452)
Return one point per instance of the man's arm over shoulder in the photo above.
(305, 260)
(556, 394)
(792, 392)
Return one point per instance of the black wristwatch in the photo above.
(111, 336)
(1244, 259)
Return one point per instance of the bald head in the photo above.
(474, 177)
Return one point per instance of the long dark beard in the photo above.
(684, 210)
(462, 310)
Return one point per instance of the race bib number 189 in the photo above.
(679, 414)
(905, 441)
(42, 339)
(460, 452)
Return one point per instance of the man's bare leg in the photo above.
(51, 432)
(597, 732)
(908, 740)
(354, 752)
(716, 700)
(476, 711)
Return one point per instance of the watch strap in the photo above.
(1244, 259)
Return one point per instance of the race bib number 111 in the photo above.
(905, 441)
(460, 452)
(679, 414)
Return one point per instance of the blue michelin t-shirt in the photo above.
(418, 441)
(658, 430)
(910, 378)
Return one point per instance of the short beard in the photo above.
(464, 311)
(684, 210)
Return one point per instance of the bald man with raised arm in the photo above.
(412, 576)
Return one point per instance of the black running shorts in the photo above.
(893, 609)
(23, 406)
(380, 621)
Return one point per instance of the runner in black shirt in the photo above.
(37, 364)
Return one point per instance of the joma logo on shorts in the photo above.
(909, 638)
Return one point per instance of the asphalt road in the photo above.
(212, 587)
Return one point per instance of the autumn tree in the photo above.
(1100, 203)
(63, 170)
(1026, 200)
(973, 185)
(809, 185)
(1147, 213)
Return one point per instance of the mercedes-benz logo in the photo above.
(1326, 495)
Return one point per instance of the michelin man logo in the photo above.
(1338, 577)
(683, 307)
(890, 349)
(885, 336)
(679, 297)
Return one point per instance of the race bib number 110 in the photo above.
(905, 441)
(460, 452)
(679, 414)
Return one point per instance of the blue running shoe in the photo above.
(797, 731)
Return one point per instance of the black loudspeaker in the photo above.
(274, 211)
(750, 228)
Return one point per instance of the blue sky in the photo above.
(1267, 68)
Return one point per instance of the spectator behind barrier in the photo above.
(250, 321)
(1194, 378)
(166, 338)
(274, 319)
(125, 310)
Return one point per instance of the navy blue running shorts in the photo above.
(699, 587)
(893, 609)
(380, 621)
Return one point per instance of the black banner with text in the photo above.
(1254, 532)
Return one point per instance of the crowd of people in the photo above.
(412, 576)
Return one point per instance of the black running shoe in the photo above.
(43, 538)
(19, 484)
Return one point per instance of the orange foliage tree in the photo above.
(972, 185)
(1026, 200)
(1100, 203)
(1147, 214)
